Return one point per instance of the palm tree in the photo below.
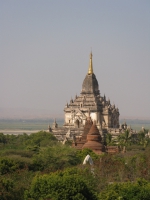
(143, 139)
(109, 140)
(124, 140)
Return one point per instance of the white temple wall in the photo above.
(93, 116)
(83, 122)
(106, 120)
(67, 117)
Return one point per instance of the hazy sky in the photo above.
(45, 47)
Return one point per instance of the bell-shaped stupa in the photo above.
(87, 127)
(94, 140)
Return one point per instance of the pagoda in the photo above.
(101, 110)
(94, 140)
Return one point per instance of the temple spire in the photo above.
(90, 71)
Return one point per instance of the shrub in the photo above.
(127, 191)
(58, 187)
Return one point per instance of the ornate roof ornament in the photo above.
(90, 71)
(71, 100)
(104, 97)
(55, 125)
(49, 128)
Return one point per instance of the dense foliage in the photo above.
(37, 166)
(139, 190)
(67, 185)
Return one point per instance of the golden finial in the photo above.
(90, 71)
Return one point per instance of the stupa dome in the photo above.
(94, 140)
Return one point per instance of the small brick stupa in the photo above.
(94, 140)
(87, 127)
(79, 142)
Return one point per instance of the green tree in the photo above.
(56, 187)
(109, 140)
(41, 138)
(7, 165)
(3, 139)
(142, 138)
(127, 191)
(6, 189)
(124, 140)
(56, 157)
(83, 153)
